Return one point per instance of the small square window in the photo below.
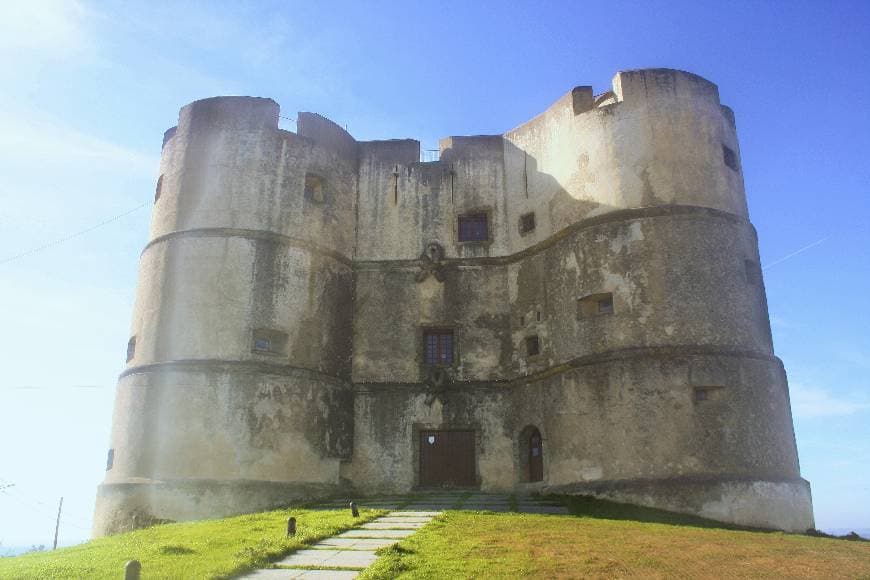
(533, 345)
(313, 188)
(527, 223)
(269, 341)
(710, 393)
(730, 157)
(595, 304)
(438, 344)
(131, 348)
(473, 228)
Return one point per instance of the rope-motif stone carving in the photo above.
(432, 262)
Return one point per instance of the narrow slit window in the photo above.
(438, 347)
(159, 189)
(527, 223)
(131, 348)
(533, 345)
(110, 459)
(753, 274)
(473, 228)
(730, 157)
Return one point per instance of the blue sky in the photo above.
(89, 88)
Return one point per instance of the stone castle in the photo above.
(575, 306)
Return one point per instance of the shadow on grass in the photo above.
(587, 506)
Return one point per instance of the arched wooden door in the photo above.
(536, 456)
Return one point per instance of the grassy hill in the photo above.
(600, 540)
(191, 550)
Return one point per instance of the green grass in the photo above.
(205, 549)
(606, 540)
(599, 540)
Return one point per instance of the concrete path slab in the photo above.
(405, 519)
(291, 573)
(406, 512)
(354, 543)
(376, 533)
(378, 525)
(330, 558)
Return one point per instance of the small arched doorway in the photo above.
(531, 455)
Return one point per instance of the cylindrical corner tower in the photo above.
(672, 396)
(236, 395)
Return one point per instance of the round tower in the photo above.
(669, 393)
(236, 395)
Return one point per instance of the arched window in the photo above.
(531, 455)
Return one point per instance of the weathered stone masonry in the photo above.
(296, 286)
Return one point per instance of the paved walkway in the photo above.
(347, 554)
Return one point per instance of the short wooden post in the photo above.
(291, 527)
(132, 570)
(354, 510)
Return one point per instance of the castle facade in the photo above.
(575, 306)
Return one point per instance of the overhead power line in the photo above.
(71, 236)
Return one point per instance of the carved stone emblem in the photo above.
(437, 385)
(432, 262)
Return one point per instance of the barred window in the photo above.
(473, 228)
(439, 347)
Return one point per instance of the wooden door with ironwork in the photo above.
(447, 458)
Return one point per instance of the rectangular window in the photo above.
(110, 459)
(268, 340)
(709, 393)
(313, 188)
(438, 347)
(527, 223)
(595, 304)
(473, 228)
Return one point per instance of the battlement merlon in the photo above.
(631, 87)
